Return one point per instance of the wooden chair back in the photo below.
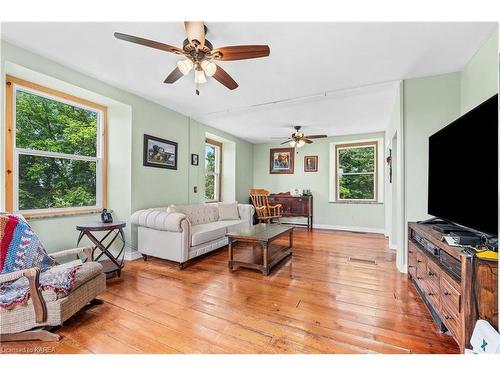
(260, 200)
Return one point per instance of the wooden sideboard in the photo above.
(295, 206)
(455, 299)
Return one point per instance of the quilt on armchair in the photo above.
(21, 249)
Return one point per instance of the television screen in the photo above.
(463, 170)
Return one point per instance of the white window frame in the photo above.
(217, 169)
(379, 170)
(99, 159)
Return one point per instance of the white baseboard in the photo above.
(132, 255)
(349, 229)
(392, 246)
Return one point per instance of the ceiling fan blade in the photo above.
(195, 30)
(316, 136)
(148, 43)
(241, 52)
(223, 77)
(277, 137)
(174, 76)
(307, 140)
(287, 141)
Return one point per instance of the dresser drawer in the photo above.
(412, 259)
(450, 297)
(433, 275)
(452, 322)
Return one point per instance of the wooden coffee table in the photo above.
(262, 234)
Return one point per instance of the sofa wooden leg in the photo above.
(96, 301)
(181, 265)
(40, 334)
(145, 257)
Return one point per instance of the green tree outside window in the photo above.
(356, 172)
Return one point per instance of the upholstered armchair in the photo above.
(265, 212)
(47, 308)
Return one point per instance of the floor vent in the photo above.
(359, 260)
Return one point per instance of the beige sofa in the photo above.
(181, 233)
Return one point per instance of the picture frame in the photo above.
(311, 163)
(195, 159)
(159, 153)
(281, 160)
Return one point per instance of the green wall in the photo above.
(429, 104)
(479, 79)
(360, 216)
(146, 186)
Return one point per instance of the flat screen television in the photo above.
(463, 170)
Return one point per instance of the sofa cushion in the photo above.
(202, 233)
(198, 213)
(228, 211)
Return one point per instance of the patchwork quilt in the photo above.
(21, 249)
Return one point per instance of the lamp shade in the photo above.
(199, 76)
(185, 66)
(209, 67)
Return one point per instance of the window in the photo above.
(356, 173)
(55, 151)
(213, 151)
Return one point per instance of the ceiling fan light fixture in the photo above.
(185, 66)
(301, 143)
(292, 143)
(209, 67)
(199, 77)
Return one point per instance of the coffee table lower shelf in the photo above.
(258, 263)
(261, 235)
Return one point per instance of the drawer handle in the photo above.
(446, 293)
(447, 317)
(430, 273)
(430, 294)
(409, 266)
(419, 261)
(419, 278)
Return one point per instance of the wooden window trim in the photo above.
(375, 172)
(9, 147)
(219, 180)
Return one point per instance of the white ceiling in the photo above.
(307, 60)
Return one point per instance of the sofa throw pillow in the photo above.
(228, 211)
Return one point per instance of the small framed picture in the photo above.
(194, 159)
(159, 153)
(310, 163)
(281, 160)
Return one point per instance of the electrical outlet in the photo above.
(195, 189)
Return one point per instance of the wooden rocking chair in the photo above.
(265, 212)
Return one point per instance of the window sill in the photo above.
(52, 215)
(355, 202)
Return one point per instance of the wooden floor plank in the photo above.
(318, 301)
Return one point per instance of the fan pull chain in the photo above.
(197, 89)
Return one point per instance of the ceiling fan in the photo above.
(200, 55)
(299, 139)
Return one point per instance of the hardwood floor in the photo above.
(319, 301)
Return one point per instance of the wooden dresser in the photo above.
(450, 292)
(301, 206)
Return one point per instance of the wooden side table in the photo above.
(112, 265)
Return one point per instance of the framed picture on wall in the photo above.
(159, 153)
(281, 160)
(194, 159)
(310, 163)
